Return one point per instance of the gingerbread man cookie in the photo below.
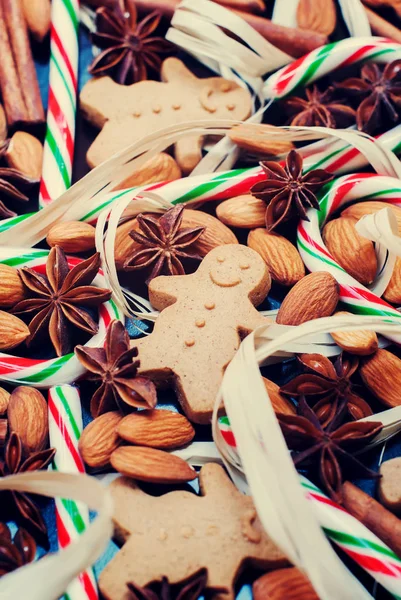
(203, 318)
(177, 534)
(127, 113)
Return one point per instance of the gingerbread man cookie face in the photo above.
(177, 534)
(128, 113)
(203, 318)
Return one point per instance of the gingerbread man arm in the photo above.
(251, 321)
(165, 290)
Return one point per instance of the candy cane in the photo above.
(55, 371)
(72, 518)
(317, 257)
(364, 547)
(324, 60)
(59, 142)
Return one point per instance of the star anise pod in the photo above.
(163, 243)
(330, 449)
(378, 92)
(22, 509)
(286, 191)
(12, 182)
(15, 552)
(128, 46)
(56, 300)
(328, 386)
(190, 588)
(113, 367)
(319, 109)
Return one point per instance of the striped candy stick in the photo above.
(60, 132)
(365, 548)
(72, 518)
(316, 256)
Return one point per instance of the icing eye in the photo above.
(176, 106)
(230, 106)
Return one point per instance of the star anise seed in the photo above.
(328, 386)
(113, 367)
(190, 588)
(286, 191)
(318, 109)
(380, 90)
(163, 243)
(330, 449)
(22, 509)
(128, 47)
(15, 552)
(56, 300)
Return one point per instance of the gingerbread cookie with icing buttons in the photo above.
(126, 114)
(204, 316)
(179, 533)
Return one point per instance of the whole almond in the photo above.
(381, 373)
(258, 139)
(359, 210)
(154, 466)
(354, 253)
(360, 341)
(243, 211)
(4, 400)
(280, 404)
(285, 584)
(3, 431)
(393, 290)
(72, 236)
(215, 234)
(27, 416)
(315, 295)
(317, 15)
(99, 439)
(37, 16)
(282, 258)
(25, 153)
(11, 287)
(13, 331)
(164, 429)
(161, 167)
(3, 124)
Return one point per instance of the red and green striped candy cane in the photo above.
(55, 371)
(365, 548)
(357, 298)
(60, 133)
(328, 58)
(72, 518)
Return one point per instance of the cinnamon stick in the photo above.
(13, 101)
(382, 27)
(21, 49)
(294, 41)
(373, 515)
(256, 6)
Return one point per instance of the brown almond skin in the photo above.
(13, 331)
(25, 153)
(362, 342)
(282, 258)
(162, 429)
(316, 295)
(353, 252)
(4, 400)
(317, 15)
(381, 373)
(154, 466)
(257, 139)
(72, 236)
(27, 416)
(245, 212)
(280, 404)
(161, 167)
(360, 209)
(99, 439)
(393, 290)
(12, 289)
(285, 584)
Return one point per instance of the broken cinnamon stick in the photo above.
(373, 515)
(21, 49)
(382, 27)
(292, 40)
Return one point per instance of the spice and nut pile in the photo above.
(128, 283)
